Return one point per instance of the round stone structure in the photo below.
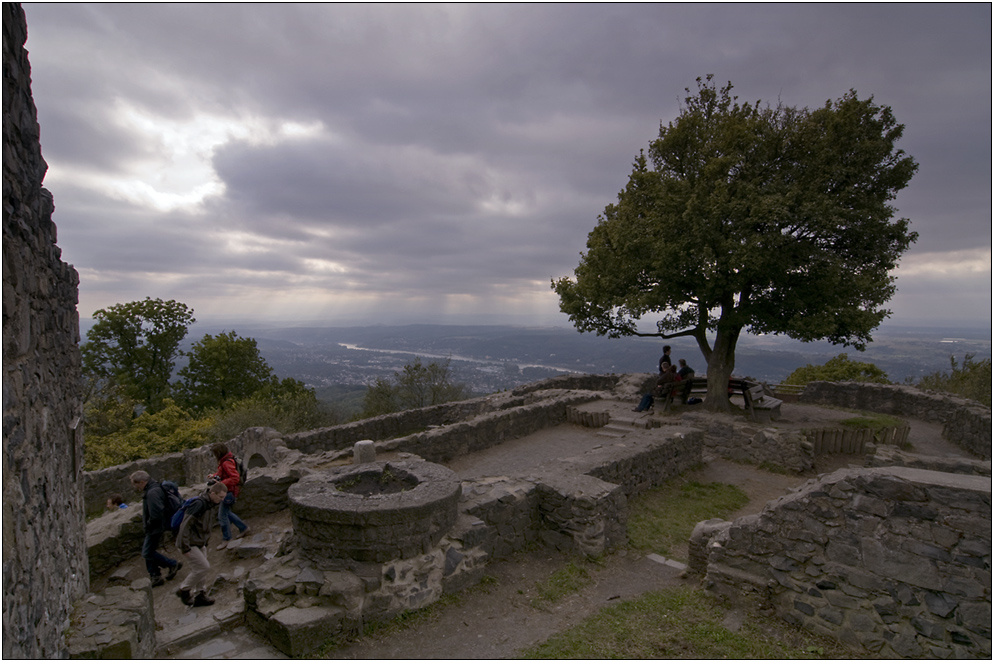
(374, 512)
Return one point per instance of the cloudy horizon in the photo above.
(407, 163)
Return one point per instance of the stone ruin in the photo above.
(44, 536)
(379, 529)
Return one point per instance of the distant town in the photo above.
(336, 360)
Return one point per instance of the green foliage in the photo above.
(226, 387)
(134, 346)
(838, 369)
(222, 369)
(287, 405)
(168, 430)
(380, 399)
(971, 380)
(565, 581)
(682, 622)
(414, 387)
(742, 217)
(661, 520)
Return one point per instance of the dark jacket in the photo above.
(195, 531)
(154, 508)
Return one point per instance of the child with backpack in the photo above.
(194, 534)
(228, 473)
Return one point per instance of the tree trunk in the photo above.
(720, 367)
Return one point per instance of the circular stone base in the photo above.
(350, 512)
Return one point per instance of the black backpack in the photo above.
(173, 500)
(242, 472)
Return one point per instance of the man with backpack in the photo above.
(155, 514)
(194, 534)
(229, 474)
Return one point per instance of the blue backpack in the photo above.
(177, 518)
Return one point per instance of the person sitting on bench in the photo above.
(666, 380)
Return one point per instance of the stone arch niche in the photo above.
(256, 461)
(374, 512)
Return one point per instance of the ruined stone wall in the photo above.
(44, 543)
(895, 561)
(965, 423)
(388, 426)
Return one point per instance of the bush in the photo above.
(971, 380)
(838, 369)
(168, 430)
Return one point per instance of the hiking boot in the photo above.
(242, 534)
(184, 595)
(157, 580)
(202, 600)
(173, 570)
(224, 544)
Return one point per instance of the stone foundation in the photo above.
(891, 561)
(117, 623)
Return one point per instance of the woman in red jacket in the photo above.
(227, 473)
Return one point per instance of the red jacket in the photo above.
(227, 473)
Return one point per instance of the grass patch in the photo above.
(683, 623)
(662, 519)
(872, 421)
(775, 468)
(567, 580)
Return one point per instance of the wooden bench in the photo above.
(764, 408)
(682, 390)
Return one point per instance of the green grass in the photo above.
(662, 519)
(872, 421)
(567, 580)
(684, 623)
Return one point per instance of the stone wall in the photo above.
(115, 624)
(44, 546)
(891, 561)
(965, 423)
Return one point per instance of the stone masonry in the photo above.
(44, 545)
(895, 561)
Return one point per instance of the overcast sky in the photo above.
(409, 163)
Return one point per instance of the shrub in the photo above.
(838, 369)
(971, 380)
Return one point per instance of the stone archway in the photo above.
(256, 461)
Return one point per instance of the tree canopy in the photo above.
(748, 217)
(135, 346)
(417, 385)
(222, 369)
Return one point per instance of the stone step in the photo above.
(629, 422)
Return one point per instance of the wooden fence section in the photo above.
(827, 441)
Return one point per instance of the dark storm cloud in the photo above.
(455, 149)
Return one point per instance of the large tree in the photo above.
(133, 347)
(222, 369)
(744, 217)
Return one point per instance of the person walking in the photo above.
(192, 539)
(227, 473)
(154, 515)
